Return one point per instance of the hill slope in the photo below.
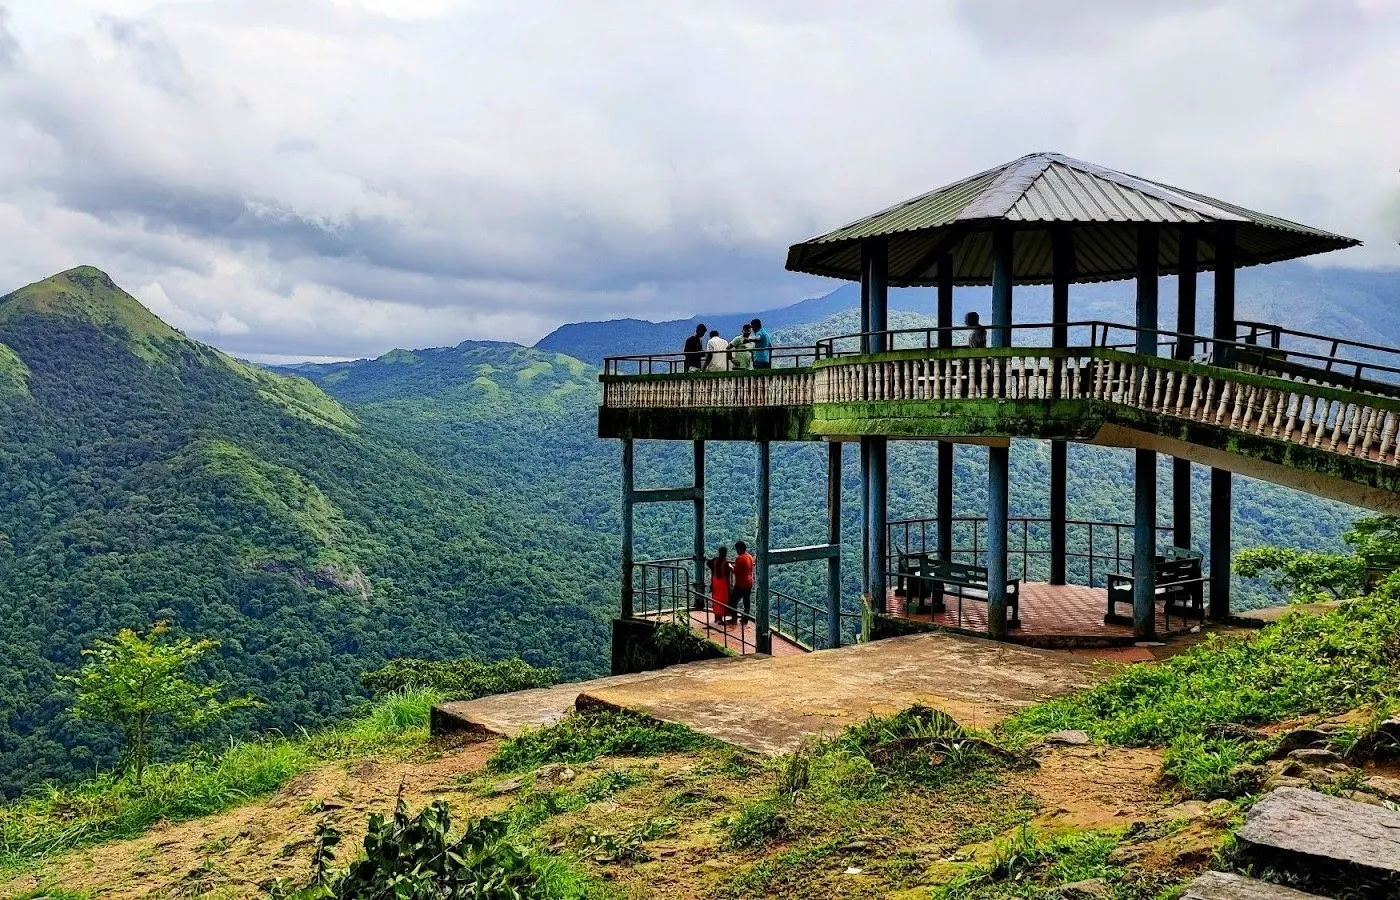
(146, 476)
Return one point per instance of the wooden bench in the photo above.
(930, 579)
(1178, 584)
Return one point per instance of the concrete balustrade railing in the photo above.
(1294, 410)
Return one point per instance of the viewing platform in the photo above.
(1312, 412)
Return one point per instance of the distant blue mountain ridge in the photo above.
(1359, 304)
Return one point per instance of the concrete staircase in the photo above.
(1341, 847)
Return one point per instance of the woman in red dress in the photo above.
(720, 572)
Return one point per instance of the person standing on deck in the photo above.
(743, 578)
(977, 337)
(742, 358)
(720, 573)
(695, 350)
(762, 346)
(718, 348)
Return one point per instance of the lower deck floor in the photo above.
(1052, 615)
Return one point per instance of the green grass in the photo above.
(582, 738)
(1027, 864)
(1303, 666)
(113, 806)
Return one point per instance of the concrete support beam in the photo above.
(1185, 324)
(946, 449)
(1003, 248)
(998, 510)
(1221, 486)
(763, 636)
(874, 280)
(625, 608)
(1062, 275)
(699, 501)
(833, 538)
(877, 517)
(1145, 461)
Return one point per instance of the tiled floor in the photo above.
(1047, 610)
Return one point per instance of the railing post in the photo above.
(833, 537)
(763, 638)
(625, 609)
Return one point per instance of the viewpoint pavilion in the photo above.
(1311, 412)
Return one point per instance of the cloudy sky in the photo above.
(332, 178)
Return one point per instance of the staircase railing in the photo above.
(802, 623)
(662, 592)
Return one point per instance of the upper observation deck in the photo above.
(1308, 411)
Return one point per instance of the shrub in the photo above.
(581, 738)
(414, 858)
(760, 823)
(461, 679)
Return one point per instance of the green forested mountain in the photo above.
(323, 518)
(144, 476)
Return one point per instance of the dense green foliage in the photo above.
(146, 477)
(1304, 665)
(415, 857)
(581, 738)
(114, 806)
(460, 679)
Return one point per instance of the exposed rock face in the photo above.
(1305, 831)
(326, 577)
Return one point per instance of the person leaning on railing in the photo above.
(740, 355)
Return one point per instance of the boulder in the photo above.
(1082, 890)
(1227, 886)
(555, 773)
(1304, 831)
(1070, 738)
(1300, 739)
(1318, 759)
(1383, 787)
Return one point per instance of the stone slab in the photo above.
(506, 715)
(1305, 827)
(771, 705)
(1228, 886)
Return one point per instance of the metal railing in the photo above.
(800, 622)
(663, 592)
(675, 363)
(1093, 549)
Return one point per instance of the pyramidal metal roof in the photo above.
(1100, 206)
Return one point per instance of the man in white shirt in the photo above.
(718, 348)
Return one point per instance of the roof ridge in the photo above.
(997, 198)
(1163, 192)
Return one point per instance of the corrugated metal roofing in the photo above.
(1100, 206)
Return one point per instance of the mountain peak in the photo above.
(88, 294)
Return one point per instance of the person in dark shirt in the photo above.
(695, 349)
(977, 337)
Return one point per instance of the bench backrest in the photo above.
(954, 571)
(1178, 570)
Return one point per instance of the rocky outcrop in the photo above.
(326, 576)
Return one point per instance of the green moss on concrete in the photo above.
(1059, 419)
(955, 353)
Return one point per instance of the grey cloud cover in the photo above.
(339, 177)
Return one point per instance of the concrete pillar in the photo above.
(875, 451)
(701, 551)
(1185, 324)
(1221, 485)
(763, 637)
(878, 524)
(1062, 274)
(999, 458)
(1145, 461)
(625, 609)
(946, 449)
(833, 537)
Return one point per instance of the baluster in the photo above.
(1354, 437)
(1342, 410)
(1223, 403)
(1325, 406)
(995, 380)
(1197, 396)
(1266, 405)
(1387, 432)
(1372, 429)
(1242, 394)
(1301, 419)
(1285, 398)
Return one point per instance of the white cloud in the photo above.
(338, 177)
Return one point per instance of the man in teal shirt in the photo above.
(762, 346)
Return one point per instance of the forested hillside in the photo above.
(431, 503)
(144, 476)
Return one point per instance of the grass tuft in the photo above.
(583, 738)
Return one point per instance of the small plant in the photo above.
(581, 738)
(461, 679)
(413, 857)
(140, 682)
(760, 823)
(607, 846)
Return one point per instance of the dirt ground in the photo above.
(690, 798)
